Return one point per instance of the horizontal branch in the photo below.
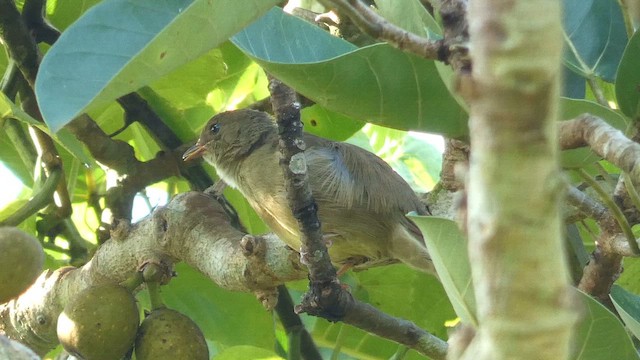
(192, 228)
(605, 140)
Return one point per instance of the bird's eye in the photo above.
(215, 128)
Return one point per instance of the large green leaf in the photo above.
(403, 292)
(628, 78)
(600, 335)
(223, 316)
(378, 83)
(329, 124)
(121, 45)
(448, 249)
(628, 306)
(595, 37)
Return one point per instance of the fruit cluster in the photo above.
(103, 321)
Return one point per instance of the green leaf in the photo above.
(595, 35)
(628, 307)
(120, 45)
(406, 293)
(572, 108)
(329, 124)
(629, 277)
(243, 352)
(378, 83)
(448, 249)
(628, 78)
(410, 15)
(356, 343)
(69, 142)
(600, 335)
(63, 13)
(222, 315)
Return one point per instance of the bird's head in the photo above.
(231, 135)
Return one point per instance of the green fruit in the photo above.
(100, 323)
(167, 334)
(22, 257)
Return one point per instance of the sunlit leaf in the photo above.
(242, 352)
(628, 78)
(121, 45)
(448, 249)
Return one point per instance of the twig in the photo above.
(326, 297)
(631, 190)
(314, 251)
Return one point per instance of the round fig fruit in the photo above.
(22, 257)
(168, 334)
(100, 323)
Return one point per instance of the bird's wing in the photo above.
(356, 178)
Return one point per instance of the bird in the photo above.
(361, 200)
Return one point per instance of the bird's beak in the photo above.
(194, 152)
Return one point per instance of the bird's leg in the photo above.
(216, 189)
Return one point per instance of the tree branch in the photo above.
(192, 228)
(521, 279)
(378, 27)
(606, 141)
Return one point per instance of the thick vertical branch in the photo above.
(519, 270)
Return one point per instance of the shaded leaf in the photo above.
(600, 335)
(628, 78)
(628, 306)
(406, 293)
(120, 45)
(595, 37)
(378, 83)
(448, 249)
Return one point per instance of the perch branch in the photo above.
(192, 228)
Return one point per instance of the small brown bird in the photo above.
(361, 201)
